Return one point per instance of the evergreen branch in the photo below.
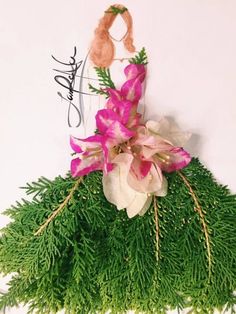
(204, 225)
(104, 77)
(98, 91)
(93, 258)
(140, 58)
(38, 187)
(157, 225)
(56, 212)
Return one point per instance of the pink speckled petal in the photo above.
(104, 118)
(132, 90)
(133, 71)
(106, 145)
(140, 168)
(85, 145)
(151, 183)
(119, 133)
(123, 108)
(179, 159)
(114, 94)
(111, 104)
(174, 159)
(134, 121)
(81, 167)
(124, 111)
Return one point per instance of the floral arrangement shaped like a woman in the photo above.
(133, 154)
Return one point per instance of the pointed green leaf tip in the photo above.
(140, 58)
(114, 10)
(105, 81)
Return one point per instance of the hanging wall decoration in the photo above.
(137, 223)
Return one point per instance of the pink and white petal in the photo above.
(176, 159)
(110, 104)
(88, 144)
(144, 138)
(115, 186)
(124, 110)
(75, 144)
(141, 134)
(134, 121)
(139, 203)
(122, 107)
(147, 151)
(135, 70)
(151, 183)
(81, 167)
(140, 168)
(119, 133)
(114, 94)
(132, 90)
(148, 138)
(106, 149)
(104, 118)
(114, 101)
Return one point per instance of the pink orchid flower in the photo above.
(125, 101)
(153, 155)
(96, 151)
(138, 169)
(115, 125)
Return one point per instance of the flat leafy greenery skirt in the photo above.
(91, 258)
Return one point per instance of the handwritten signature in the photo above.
(67, 80)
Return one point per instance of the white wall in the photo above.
(192, 78)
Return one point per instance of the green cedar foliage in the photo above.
(105, 81)
(140, 58)
(114, 10)
(92, 258)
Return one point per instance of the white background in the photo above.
(191, 46)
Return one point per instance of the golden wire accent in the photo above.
(56, 212)
(157, 226)
(200, 212)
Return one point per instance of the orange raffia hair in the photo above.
(102, 48)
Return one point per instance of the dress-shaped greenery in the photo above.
(91, 258)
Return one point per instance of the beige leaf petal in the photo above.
(139, 204)
(146, 206)
(115, 185)
(163, 190)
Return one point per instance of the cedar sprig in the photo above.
(98, 91)
(114, 10)
(140, 58)
(38, 187)
(104, 77)
(105, 81)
